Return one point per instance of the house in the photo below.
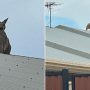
(68, 47)
(67, 58)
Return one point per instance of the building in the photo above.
(65, 45)
(68, 48)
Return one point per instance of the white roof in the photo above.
(68, 44)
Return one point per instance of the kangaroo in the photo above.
(88, 26)
(5, 46)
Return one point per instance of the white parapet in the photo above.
(21, 73)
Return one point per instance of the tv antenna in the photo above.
(49, 5)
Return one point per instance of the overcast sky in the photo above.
(75, 10)
(25, 26)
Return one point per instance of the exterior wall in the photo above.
(54, 83)
(21, 73)
(82, 83)
(64, 80)
(68, 44)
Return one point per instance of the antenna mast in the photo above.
(49, 5)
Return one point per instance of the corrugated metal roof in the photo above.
(68, 44)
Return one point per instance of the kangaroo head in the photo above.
(2, 24)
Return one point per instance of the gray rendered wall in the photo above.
(21, 73)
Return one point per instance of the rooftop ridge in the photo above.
(73, 30)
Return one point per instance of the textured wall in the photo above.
(21, 73)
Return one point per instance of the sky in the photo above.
(75, 11)
(25, 26)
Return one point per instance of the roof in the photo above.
(68, 45)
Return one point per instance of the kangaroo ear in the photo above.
(5, 21)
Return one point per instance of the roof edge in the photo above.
(53, 65)
(73, 30)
